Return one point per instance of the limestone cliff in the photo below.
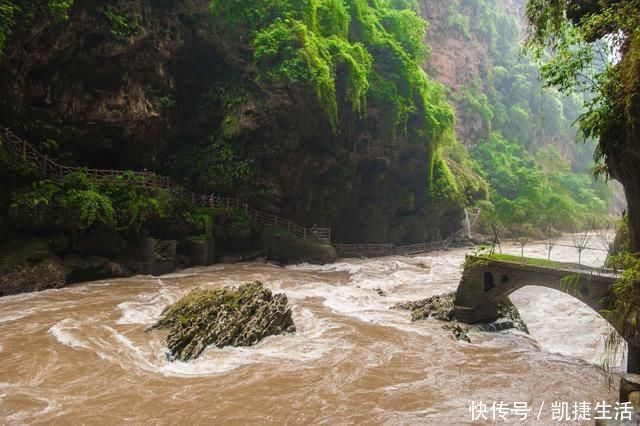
(148, 85)
(459, 57)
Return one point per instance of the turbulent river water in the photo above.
(82, 355)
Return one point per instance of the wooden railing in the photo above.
(380, 250)
(364, 250)
(55, 171)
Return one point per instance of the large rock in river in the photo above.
(224, 317)
(441, 307)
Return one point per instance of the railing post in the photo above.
(305, 233)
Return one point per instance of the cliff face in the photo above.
(456, 60)
(133, 85)
(461, 58)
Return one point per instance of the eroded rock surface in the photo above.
(224, 317)
(440, 307)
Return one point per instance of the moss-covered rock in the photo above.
(441, 307)
(224, 317)
(284, 247)
(28, 264)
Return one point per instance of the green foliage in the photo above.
(160, 102)
(225, 170)
(232, 223)
(203, 219)
(287, 51)
(475, 101)
(14, 12)
(540, 190)
(353, 51)
(8, 11)
(457, 20)
(60, 8)
(81, 205)
(34, 206)
(136, 206)
(625, 311)
(576, 45)
(444, 186)
(530, 180)
(122, 28)
(78, 203)
(530, 261)
(73, 205)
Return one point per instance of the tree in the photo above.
(522, 234)
(594, 46)
(550, 240)
(581, 240)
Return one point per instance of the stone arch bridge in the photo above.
(485, 282)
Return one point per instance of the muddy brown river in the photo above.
(81, 355)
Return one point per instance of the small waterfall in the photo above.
(467, 223)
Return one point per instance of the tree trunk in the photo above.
(633, 359)
(630, 179)
(632, 192)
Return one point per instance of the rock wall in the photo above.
(458, 59)
(146, 85)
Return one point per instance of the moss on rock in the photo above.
(224, 317)
(284, 247)
(441, 307)
(28, 264)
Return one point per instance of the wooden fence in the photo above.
(55, 171)
(380, 250)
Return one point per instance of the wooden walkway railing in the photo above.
(55, 171)
(380, 250)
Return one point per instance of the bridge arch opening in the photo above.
(488, 281)
(575, 329)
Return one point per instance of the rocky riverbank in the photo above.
(37, 263)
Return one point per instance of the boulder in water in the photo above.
(440, 307)
(224, 317)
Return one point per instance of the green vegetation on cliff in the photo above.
(350, 52)
(593, 47)
(526, 150)
(318, 111)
